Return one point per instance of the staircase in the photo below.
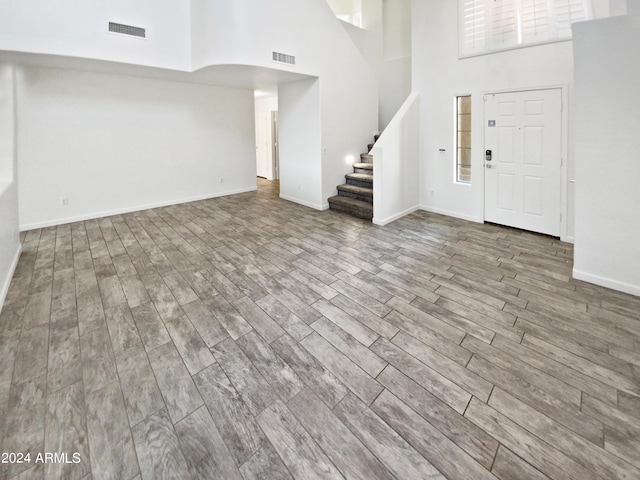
(356, 196)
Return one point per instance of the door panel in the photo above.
(533, 146)
(533, 187)
(533, 107)
(506, 186)
(504, 145)
(506, 108)
(522, 180)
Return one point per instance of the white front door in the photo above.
(523, 160)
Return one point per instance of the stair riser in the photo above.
(366, 171)
(355, 196)
(366, 158)
(366, 215)
(358, 183)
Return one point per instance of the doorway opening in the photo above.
(267, 152)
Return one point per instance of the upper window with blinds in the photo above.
(494, 25)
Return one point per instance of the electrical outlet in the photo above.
(221, 179)
(64, 201)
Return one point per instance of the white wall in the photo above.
(607, 75)
(368, 42)
(9, 236)
(299, 123)
(396, 162)
(7, 123)
(394, 71)
(394, 78)
(618, 7)
(80, 29)
(113, 143)
(385, 43)
(439, 76)
(396, 29)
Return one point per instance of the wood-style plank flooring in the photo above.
(247, 337)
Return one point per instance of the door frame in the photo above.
(275, 151)
(566, 186)
(263, 132)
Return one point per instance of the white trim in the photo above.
(606, 282)
(449, 213)
(395, 217)
(7, 281)
(119, 211)
(324, 206)
(455, 152)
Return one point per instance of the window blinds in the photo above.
(493, 25)
(567, 12)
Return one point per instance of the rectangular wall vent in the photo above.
(283, 58)
(127, 30)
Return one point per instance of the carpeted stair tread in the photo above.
(364, 166)
(366, 158)
(356, 192)
(360, 177)
(357, 208)
(367, 192)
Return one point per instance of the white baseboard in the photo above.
(7, 280)
(304, 203)
(120, 211)
(449, 213)
(607, 282)
(392, 218)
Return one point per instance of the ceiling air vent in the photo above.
(127, 30)
(283, 58)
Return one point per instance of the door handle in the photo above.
(488, 165)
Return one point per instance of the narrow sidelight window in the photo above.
(463, 136)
